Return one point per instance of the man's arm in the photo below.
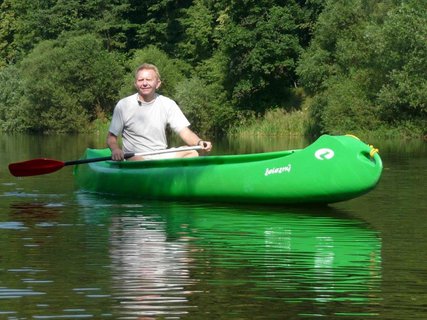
(116, 152)
(192, 139)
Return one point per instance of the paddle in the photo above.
(43, 166)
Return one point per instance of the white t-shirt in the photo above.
(143, 125)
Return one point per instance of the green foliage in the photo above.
(198, 24)
(214, 69)
(13, 116)
(202, 32)
(7, 47)
(66, 84)
(64, 64)
(366, 66)
(263, 45)
(337, 29)
(24, 24)
(275, 122)
(404, 93)
(204, 106)
(348, 108)
(157, 22)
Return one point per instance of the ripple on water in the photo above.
(12, 225)
(10, 293)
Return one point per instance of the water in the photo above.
(65, 254)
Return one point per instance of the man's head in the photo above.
(147, 81)
(147, 66)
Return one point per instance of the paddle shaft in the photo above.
(82, 161)
(132, 154)
(43, 166)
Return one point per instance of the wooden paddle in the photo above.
(43, 166)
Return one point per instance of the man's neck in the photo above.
(147, 99)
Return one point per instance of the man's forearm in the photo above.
(189, 137)
(112, 142)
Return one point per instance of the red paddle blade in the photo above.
(35, 167)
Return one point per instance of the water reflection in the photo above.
(48, 267)
(90, 256)
(150, 274)
(174, 260)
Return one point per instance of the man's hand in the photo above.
(117, 154)
(206, 145)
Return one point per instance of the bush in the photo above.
(348, 107)
(69, 82)
(366, 66)
(204, 107)
(13, 116)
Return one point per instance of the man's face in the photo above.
(147, 83)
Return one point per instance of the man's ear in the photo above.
(159, 83)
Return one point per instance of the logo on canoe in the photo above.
(324, 154)
(278, 170)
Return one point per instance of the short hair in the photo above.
(148, 66)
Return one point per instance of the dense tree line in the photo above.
(360, 64)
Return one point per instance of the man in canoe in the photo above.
(141, 120)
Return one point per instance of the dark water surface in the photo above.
(65, 254)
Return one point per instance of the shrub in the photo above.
(13, 116)
(68, 82)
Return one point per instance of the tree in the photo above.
(370, 57)
(200, 39)
(24, 24)
(70, 82)
(156, 23)
(13, 116)
(261, 40)
(402, 47)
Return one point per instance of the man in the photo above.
(141, 120)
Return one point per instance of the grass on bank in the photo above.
(275, 122)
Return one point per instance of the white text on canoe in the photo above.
(278, 170)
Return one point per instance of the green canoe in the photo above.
(332, 169)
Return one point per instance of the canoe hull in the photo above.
(332, 169)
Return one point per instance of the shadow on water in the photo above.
(176, 259)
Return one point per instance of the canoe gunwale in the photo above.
(200, 161)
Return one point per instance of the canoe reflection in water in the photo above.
(174, 259)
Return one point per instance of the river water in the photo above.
(65, 254)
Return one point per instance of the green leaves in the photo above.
(263, 46)
(13, 116)
(198, 24)
(68, 82)
(72, 60)
(367, 63)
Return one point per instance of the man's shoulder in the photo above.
(163, 98)
(166, 100)
(129, 100)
